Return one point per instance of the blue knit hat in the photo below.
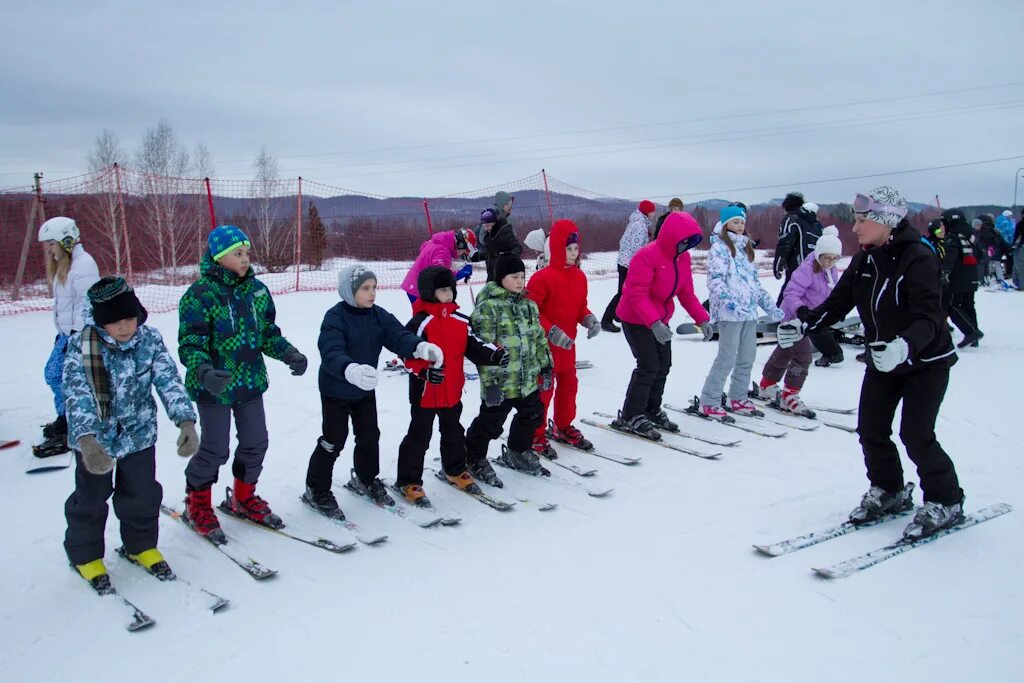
(730, 212)
(224, 238)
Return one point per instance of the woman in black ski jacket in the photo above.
(895, 285)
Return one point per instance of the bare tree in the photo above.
(166, 162)
(202, 162)
(264, 189)
(106, 151)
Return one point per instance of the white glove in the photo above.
(362, 376)
(790, 332)
(885, 356)
(429, 352)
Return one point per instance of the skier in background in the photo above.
(798, 233)
(636, 235)
(960, 272)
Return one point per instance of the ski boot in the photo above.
(790, 402)
(323, 502)
(526, 461)
(482, 470)
(464, 482)
(542, 447)
(764, 392)
(55, 439)
(414, 494)
(933, 517)
(58, 427)
(96, 574)
(829, 360)
(878, 502)
(243, 502)
(716, 412)
(569, 435)
(152, 561)
(743, 406)
(375, 490)
(659, 418)
(638, 425)
(200, 516)
(862, 357)
(971, 339)
(610, 327)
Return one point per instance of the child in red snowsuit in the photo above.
(560, 292)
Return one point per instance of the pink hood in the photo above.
(439, 250)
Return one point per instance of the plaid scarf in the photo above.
(95, 371)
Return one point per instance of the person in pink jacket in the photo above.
(809, 286)
(657, 273)
(440, 250)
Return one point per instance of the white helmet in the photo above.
(60, 229)
(1008, 213)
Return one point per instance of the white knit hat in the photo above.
(829, 242)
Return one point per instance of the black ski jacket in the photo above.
(500, 241)
(897, 293)
(960, 264)
(798, 235)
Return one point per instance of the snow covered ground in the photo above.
(657, 582)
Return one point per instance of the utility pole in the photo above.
(1016, 179)
(30, 228)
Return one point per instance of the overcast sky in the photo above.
(640, 99)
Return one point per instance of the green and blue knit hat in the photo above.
(224, 239)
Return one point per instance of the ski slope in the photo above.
(656, 582)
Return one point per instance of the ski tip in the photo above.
(826, 573)
(451, 521)
(599, 494)
(766, 550)
(548, 507)
(219, 605)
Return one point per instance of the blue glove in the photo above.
(464, 273)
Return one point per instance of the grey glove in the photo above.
(662, 333)
(296, 361)
(94, 456)
(559, 338)
(213, 380)
(593, 325)
(493, 396)
(188, 440)
(546, 381)
(707, 330)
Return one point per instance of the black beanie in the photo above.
(112, 300)
(793, 202)
(506, 265)
(432, 279)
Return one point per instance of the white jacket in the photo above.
(538, 241)
(69, 299)
(636, 236)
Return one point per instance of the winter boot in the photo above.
(464, 482)
(58, 427)
(862, 357)
(765, 390)
(414, 494)
(746, 407)
(152, 561)
(639, 425)
(660, 420)
(526, 461)
(878, 502)
(970, 339)
(243, 502)
(54, 445)
(483, 471)
(569, 435)
(375, 490)
(323, 502)
(542, 447)
(610, 326)
(932, 517)
(200, 516)
(827, 360)
(790, 401)
(96, 574)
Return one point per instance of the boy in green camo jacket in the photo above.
(226, 325)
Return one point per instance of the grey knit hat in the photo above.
(350, 279)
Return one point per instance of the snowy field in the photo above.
(656, 582)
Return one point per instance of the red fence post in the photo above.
(551, 215)
(209, 201)
(426, 209)
(124, 223)
(298, 234)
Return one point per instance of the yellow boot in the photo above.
(152, 561)
(95, 573)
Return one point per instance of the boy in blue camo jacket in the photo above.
(111, 369)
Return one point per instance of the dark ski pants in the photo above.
(609, 313)
(414, 446)
(962, 312)
(490, 423)
(791, 363)
(366, 454)
(137, 496)
(922, 393)
(215, 443)
(653, 362)
(825, 342)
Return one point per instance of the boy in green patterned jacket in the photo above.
(226, 325)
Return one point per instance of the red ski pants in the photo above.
(564, 390)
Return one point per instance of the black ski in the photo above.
(314, 541)
(248, 565)
(685, 435)
(489, 501)
(137, 619)
(663, 444)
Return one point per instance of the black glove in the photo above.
(500, 356)
(546, 380)
(432, 374)
(493, 396)
(213, 380)
(296, 361)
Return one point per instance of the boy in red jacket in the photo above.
(560, 292)
(438, 391)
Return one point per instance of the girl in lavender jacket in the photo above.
(810, 285)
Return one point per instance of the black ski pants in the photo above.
(609, 313)
(653, 362)
(365, 455)
(215, 443)
(137, 496)
(414, 446)
(825, 342)
(922, 393)
(490, 423)
(962, 312)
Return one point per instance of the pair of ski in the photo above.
(555, 480)
(774, 404)
(423, 517)
(693, 410)
(879, 555)
(664, 444)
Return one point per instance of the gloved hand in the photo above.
(188, 440)
(429, 352)
(545, 380)
(213, 380)
(94, 456)
(790, 332)
(362, 376)
(559, 338)
(493, 396)
(662, 333)
(885, 356)
(432, 374)
(464, 273)
(593, 325)
(500, 356)
(707, 330)
(296, 361)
